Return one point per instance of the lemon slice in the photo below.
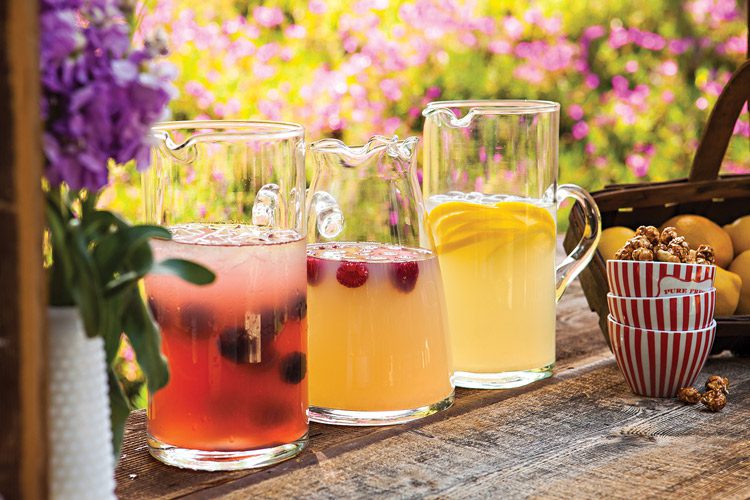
(456, 224)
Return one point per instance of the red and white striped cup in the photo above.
(658, 363)
(630, 278)
(677, 312)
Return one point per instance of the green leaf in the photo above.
(188, 271)
(123, 281)
(119, 411)
(61, 270)
(144, 336)
(99, 223)
(111, 325)
(144, 232)
(109, 253)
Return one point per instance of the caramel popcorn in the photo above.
(663, 255)
(717, 383)
(641, 242)
(668, 235)
(650, 233)
(689, 395)
(704, 255)
(625, 253)
(649, 245)
(714, 400)
(642, 253)
(679, 248)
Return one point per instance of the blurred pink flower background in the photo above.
(636, 81)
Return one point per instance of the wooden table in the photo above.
(579, 434)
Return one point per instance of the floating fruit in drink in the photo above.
(237, 348)
(497, 259)
(377, 332)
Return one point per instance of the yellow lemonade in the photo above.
(378, 334)
(498, 265)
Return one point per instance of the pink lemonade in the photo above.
(378, 338)
(236, 348)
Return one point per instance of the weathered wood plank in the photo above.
(22, 290)
(582, 436)
(578, 337)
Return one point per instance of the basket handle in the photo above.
(718, 131)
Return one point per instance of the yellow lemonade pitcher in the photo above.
(491, 193)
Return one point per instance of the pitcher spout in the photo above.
(352, 156)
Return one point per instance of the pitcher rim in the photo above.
(507, 106)
(375, 144)
(273, 129)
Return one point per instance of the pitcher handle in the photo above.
(581, 255)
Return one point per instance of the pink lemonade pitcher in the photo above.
(232, 195)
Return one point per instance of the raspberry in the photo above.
(352, 274)
(404, 275)
(313, 271)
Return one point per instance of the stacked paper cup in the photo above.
(661, 323)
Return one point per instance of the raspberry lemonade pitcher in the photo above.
(231, 194)
(490, 186)
(379, 350)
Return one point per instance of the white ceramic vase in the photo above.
(81, 462)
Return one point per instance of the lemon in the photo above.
(739, 232)
(456, 224)
(741, 267)
(613, 239)
(698, 230)
(728, 286)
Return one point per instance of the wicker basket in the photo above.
(720, 198)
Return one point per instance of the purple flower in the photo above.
(575, 111)
(268, 17)
(391, 89)
(482, 154)
(99, 95)
(592, 81)
(295, 31)
(618, 37)
(317, 6)
(391, 125)
(620, 84)
(500, 47)
(631, 66)
(513, 27)
(433, 92)
(580, 130)
(638, 164)
(679, 46)
(668, 68)
(593, 32)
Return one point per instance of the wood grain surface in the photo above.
(22, 286)
(580, 433)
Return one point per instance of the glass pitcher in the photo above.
(379, 351)
(490, 186)
(232, 195)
